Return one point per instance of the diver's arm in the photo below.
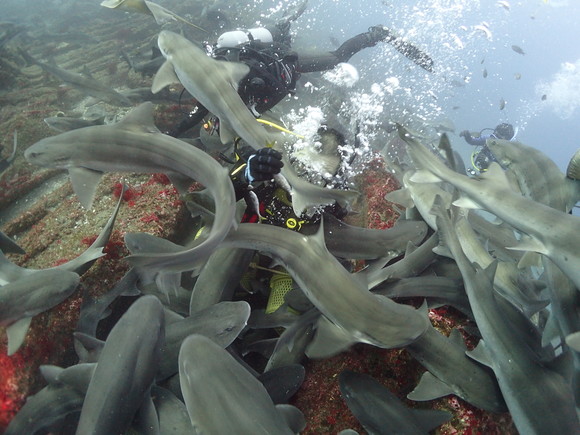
(474, 140)
(191, 120)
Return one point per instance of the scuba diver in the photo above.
(482, 156)
(275, 68)
(273, 205)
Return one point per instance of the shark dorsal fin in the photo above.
(165, 76)
(140, 119)
(429, 388)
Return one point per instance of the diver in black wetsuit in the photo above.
(275, 68)
(483, 157)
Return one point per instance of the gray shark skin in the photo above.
(539, 399)
(416, 260)
(359, 315)
(30, 295)
(551, 232)
(506, 276)
(381, 412)
(438, 290)
(452, 372)
(538, 177)
(63, 395)
(215, 385)
(307, 197)
(126, 369)
(221, 323)
(213, 83)
(5, 163)
(173, 417)
(136, 145)
(85, 84)
(348, 241)
(212, 284)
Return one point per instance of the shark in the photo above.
(380, 411)
(221, 323)
(136, 145)
(355, 314)
(6, 162)
(539, 398)
(212, 284)
(352, 242)
(87, 85)
(30, 295)
(64, 395)
(548, 231)
(213, 83)
(537, 176)
(451, 371)
(215, 385)
(125, 371)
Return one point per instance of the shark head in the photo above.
(50, 153)
(167, 42)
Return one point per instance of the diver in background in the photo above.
(275, 67)
(483, 157)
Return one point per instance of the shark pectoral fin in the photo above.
(16, 334)
(401, 196)
(293, 417)
(424, 176)
(227, 133)
(480, 354)
(530, 259)
(180, 182)
(237, 71)
(161, 15)
(329, 340)
(429, 388)
(429, 419)
(84, 182)
(165, 76)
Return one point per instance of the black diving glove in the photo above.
(263, 165)
(464, 133)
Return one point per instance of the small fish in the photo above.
(484, 72)
(517, 76)
(544, 97)
(502, 104)
(485, 29)
(504, 4)
(518, 50)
